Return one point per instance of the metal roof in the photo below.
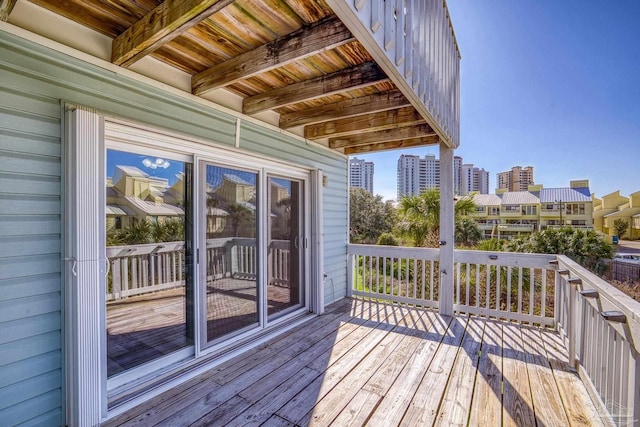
(151, 208)
(519, 198)
(566, 194)
(487, 200)
(116, 210)
(132, 171)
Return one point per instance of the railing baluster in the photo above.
(488, 287)
(457, 299)
(432, 281)
(477, 304)
(411, 33)
(520, 273)
(498, 288)
(468, 289)
(377, 15)
(389, 24)
(543, 298)
(415, 278)
(508, 289)
(400, 35)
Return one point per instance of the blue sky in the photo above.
(553, 84)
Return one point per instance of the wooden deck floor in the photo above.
(365, 363)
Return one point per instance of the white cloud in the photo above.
(156, 163)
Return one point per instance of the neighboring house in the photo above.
(608, 204)
(133, 195)
(510, 213)
(628, 212)
(276, 109)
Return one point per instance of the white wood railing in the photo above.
(599, 324)
(153, 267)
(139, 269)
(414, 42)
(501, 285)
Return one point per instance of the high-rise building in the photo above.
(517, 179)
(457, 175)
(473, 179)
(416, 174)
(361, 174)
(408, 175)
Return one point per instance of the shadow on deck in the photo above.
(369, 363)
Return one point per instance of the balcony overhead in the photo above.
(315, 68)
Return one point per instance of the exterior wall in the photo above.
(30, 252)
(35, 82)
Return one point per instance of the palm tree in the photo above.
(420, 216)
(238, 215)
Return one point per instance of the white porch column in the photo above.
(85, 268)
(446, 230)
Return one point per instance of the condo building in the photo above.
(473, 179)
(417, 174)
(517, 179)
(511, 213)
(361, 174)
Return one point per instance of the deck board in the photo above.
(517, 407)
(366, 363)
(486, 408)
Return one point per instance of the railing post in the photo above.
(446, 230)
(571, 315)
(350, 275)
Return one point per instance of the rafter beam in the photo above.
(407, 116)
(319, 37)
(348, 108)
(164, 23)
(382, 136)
(6, 6)
(356, 77)
(392, 145)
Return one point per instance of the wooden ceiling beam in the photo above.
(344, 109)
(392, 145)
(407, 116)
(164, 23)
(356, 77)
(6, 6)
(319, 37)
(382, 136)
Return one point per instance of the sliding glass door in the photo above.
(231, 282)
(286, 246)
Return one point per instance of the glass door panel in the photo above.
(231, 258)
(286, 242)
(149, 295)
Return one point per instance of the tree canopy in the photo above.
(585, 247)
(620, 226)
(369, 216)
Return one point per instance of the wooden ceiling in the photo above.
(293, 57)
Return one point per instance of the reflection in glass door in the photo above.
(149, 288)
(286, 244)
(231, 258)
